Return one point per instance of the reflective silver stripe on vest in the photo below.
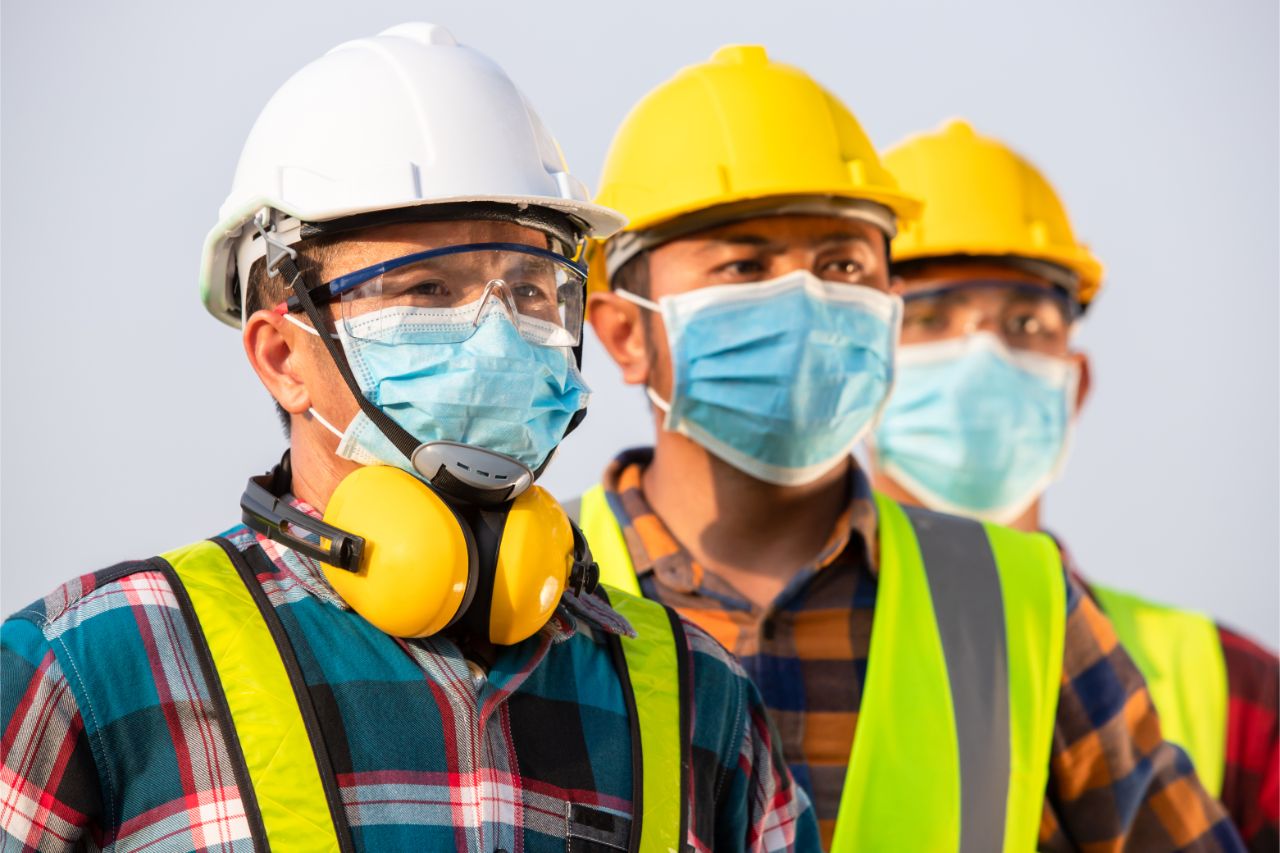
(963, 583)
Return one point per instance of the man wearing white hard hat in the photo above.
(403, 644)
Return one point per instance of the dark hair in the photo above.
(633, 276)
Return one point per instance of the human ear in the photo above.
(1086, 377)
(273, 348)
(620, 328)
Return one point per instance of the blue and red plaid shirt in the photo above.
(111, 739)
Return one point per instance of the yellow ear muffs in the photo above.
(418, 569)
(533, 564)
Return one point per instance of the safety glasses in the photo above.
(443, 295)
(1025, 315)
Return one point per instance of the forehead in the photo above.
(958, 271)
(784, 230)
(383, 242)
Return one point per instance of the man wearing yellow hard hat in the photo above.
(402, 647)
(750, 295)
(979, 423)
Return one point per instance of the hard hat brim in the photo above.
(216, 267)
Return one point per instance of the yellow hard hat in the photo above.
(982, 198)
(737, 128)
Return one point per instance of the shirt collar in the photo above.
(654, 550)
(308, 574)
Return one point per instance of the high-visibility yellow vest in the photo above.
(958, 710)
(1180, 655)
(277, 741)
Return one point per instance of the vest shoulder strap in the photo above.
(1180, 655)
(608, 545)
(1033, 589)
(267, 721)
(659, 704)
(961, 688)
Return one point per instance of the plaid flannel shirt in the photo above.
(110, 737)
(1114, 783)
(1251, 777)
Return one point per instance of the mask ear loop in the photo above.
(324, 423)
(289, 318)
(639, 300)
(650, 305)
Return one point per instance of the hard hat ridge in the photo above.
(406, 118)
(740, 128)
(983, 199)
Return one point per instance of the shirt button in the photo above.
(478, 675)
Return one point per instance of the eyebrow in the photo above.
(841, 237)
(765, 243)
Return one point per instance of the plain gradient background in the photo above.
(131, 419)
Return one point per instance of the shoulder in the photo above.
(78, 600)
(106, 628)
(725, 699)
(1252, 670)
(709, 656)
(715, 677)
(129, 584)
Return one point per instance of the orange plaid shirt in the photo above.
(1114, 782)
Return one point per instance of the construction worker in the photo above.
(750, 295)
(985, 398)
(399, 648)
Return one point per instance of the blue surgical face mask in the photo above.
(975, 428)
(495, 390)
(780, 379)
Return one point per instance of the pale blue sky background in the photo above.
(130, 419)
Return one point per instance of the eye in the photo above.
(524, 290)
(427, 289)
(745, 269)
(926, 317)
(841, 269)
(1024, 324)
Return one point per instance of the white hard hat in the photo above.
(405, 118)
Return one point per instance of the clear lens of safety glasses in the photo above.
(442, 296)
(1026, 316)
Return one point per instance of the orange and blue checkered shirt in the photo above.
(1251, 775)
(1114, 783)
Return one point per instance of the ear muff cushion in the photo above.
(418, 567)
(533, 565)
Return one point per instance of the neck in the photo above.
(317, 469)
(1028, 521)
(753, 534)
